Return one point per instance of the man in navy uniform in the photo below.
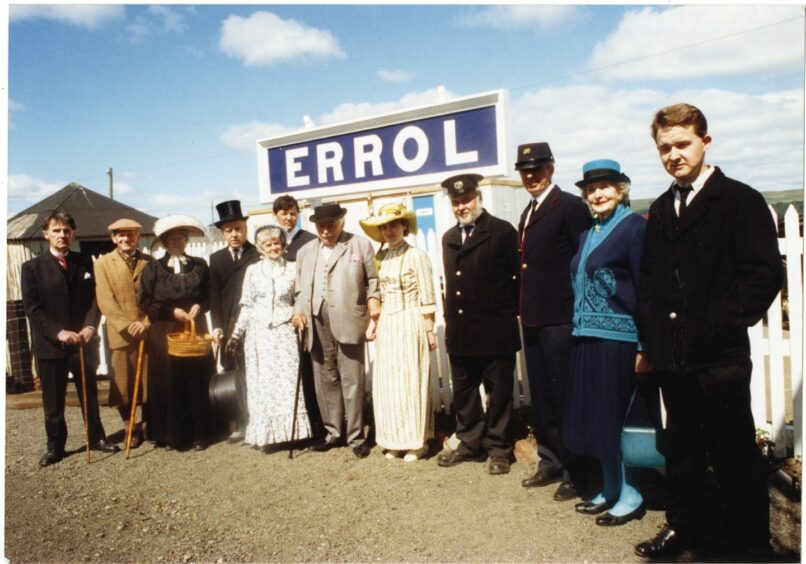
(58, 294)
(710, 269)
(549, 231)
(227, 271)
(480, 256)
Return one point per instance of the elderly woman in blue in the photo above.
(602, 379)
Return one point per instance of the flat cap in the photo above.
(124, 223)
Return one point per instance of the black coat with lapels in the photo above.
(226, 281)
(481, 289)
(706, 279)
(56, 300)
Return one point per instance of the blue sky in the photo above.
(174, 97)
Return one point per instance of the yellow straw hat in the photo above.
(388, 213)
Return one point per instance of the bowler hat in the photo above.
(533, 155)
(330, 211)
(229, 211)
(387, 214)
(601, 169)
(461, 184)
(124, 224)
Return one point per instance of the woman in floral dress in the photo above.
(270, 346)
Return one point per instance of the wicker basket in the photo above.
(188, 343)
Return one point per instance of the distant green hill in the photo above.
(779, 200)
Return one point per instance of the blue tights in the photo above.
(619, 484)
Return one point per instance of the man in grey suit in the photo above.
(336, 295)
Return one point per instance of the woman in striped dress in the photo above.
(404, 335)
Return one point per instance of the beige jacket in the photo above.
(116, 291)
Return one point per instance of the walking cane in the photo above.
(300, 342)
(84, 399)
(133, 413)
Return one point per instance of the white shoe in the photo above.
(413, 455)
(389, 454)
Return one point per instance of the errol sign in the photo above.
(409, 148)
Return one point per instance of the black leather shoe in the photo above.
(667, 542)
(498, 465)
(50, 457)
(105, 446)
(610, 520)
(362, 450)
(590, 508)
(540, 479)
(565, 492)
(457, 457)
(324, 445)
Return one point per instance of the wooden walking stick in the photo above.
(300, 340)
(84, 399)
(133, 413)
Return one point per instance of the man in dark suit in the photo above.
(227, 271)
(58, 294)
(286, 213)
(709, 270)
(549, 231)
(480, 256)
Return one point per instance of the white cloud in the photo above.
(353, 111)
(88, 16)
(13, 105)
(26, 188)
(243, 136)
(757, 139)
(265, 39)
(684, 35)
(395, 75)
(540, 17)
(123, 188)
(156, 20)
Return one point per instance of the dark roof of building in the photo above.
(93, 212)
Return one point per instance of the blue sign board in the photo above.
(392, 151)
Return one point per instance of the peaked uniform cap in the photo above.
(533, 155)
(461, 184)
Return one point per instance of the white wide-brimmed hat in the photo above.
(188, 223)
(388, 213)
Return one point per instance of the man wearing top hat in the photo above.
(337, 293)
(549, 231)
(58, 295)
(227, 271)
(117, 281)
(480, 256)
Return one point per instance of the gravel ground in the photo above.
(235, 504)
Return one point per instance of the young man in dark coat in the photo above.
(549, 231)
(227, 271)
(286, 213)
(480, 256)
(710, 269)
(58, 294)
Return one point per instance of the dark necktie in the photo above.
(684, 192)
(236, 255)
(62, 260)
(534, 206)
(467, 231)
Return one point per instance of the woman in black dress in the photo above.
(173, 290)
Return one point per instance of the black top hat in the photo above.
(461, 184)
(533, 155)
(601, 169)
(328, 212)
(228, 211)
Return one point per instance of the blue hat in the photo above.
(601, 169)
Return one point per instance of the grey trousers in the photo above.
(338, 370)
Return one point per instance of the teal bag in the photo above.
(639, 445)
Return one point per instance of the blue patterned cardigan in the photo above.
(604, 275)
